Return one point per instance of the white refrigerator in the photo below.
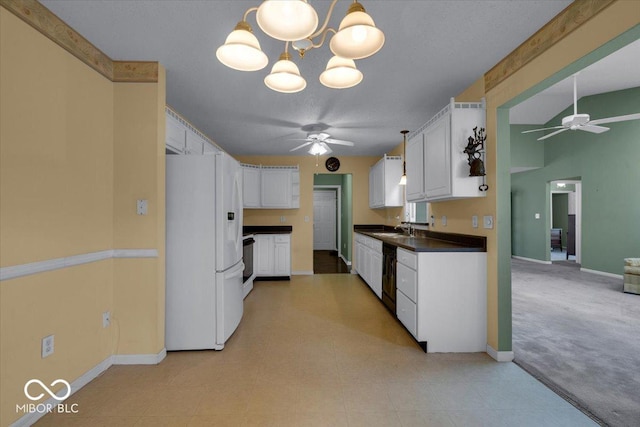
(204, 303)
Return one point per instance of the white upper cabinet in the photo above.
(271, 187)
(251, 186)
(437, 167)
(384, 178)
(276, 188)
(182, 138)
(415, 167)
(176, 135)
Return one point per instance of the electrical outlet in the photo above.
(282, 219)
(141, 207)
(474, 221)
(106, 319)
(537, 216)
(433, 221)
(47, 346)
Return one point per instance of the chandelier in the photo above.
(295, 22)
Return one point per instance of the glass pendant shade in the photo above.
(341, 73)
(287, 20)
(357, 36)
(318, 149)
(403, 180)
(285, 76)
(241, 51)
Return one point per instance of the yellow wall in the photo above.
(302, 235)
(76, 151)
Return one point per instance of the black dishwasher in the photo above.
(389, 277)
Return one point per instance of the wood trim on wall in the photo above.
(46, 22)
(572, 17)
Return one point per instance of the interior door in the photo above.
(324, 220)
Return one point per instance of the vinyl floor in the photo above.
(318, 350)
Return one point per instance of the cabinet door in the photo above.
(195, 143)
(415, 168)
(437, 155)
(175, 137)
(251, 187)
(264, 255)
(376, 273)
(281, 255)
(276, 188)
(372, 181)
(392, 195)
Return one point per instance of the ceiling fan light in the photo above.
(287, 20)
(341, 73)
(285, 76)
(318, 149)
(357, 36)
(241, 50)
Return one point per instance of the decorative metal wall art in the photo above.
(475, 151)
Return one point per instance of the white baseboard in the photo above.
(500, 356)
(345, 260)
(539, 261)
(138, 359)
(302, 273)
(603, 273)
(31, 418)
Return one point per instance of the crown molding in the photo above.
(55, 29)
(563, 24)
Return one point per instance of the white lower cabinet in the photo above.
(273, 255)
(441, 298)
(369, 262)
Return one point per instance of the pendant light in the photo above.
(341, 73)
(287, 20)
(241, 50)
(357, 36)
(285, 76)
(403, 178)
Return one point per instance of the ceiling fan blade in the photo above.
(593, 129)
(339, 142)
(552, 134)
(536, 130)
(300, 146)
(635, 116)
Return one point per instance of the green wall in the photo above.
(346, 222)
(608, 165)
(526, 151)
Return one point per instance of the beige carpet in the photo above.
(579, 334)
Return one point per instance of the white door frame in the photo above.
(338, 190)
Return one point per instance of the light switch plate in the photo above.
(474, 221)
(537, 216)
(444, 220)
(487, 221)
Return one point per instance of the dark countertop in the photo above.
(426, 241)
(267, 229)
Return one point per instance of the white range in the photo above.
(204, 296)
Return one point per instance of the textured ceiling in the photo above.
(433, 51)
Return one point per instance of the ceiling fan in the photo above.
(582, 121)
(319, 141)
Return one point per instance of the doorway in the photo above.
(325, 221)
(565, 214)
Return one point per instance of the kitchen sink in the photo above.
(390, 235)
